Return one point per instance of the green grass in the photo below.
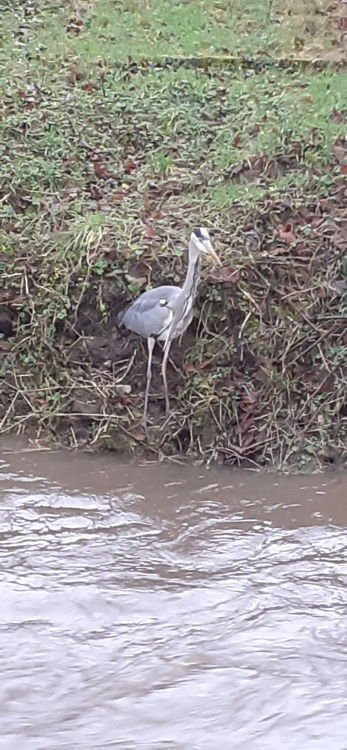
(182, 125)
(113, 31)
(104, 168)
(221, 120)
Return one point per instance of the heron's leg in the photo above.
(172, 362)
(163, 371)
(150, 345)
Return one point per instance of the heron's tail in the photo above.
(120, 317)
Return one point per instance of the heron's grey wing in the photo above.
(151, 313)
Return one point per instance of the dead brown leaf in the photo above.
(100, 170)
(139, 280)
(250, 401)
(118, 196)
(89, 87)
(226, 275)
(149, 231)
(339, 115)
(286, 232)
(302, 249)
(340, 238)
(130, 166)
(76, 74)
(340, 151)
(326, 204)
(274, 251)
(316, 222)
(75, 25)
(191, 367)
(94, 192)
(339, 286)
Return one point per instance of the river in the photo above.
(159, 606)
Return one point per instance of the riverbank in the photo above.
(107, 164)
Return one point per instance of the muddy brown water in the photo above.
(166, 607)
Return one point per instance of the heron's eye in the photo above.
(162, 302)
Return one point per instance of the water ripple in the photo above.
(154, 607)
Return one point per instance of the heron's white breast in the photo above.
(181, 325)
(186, 318)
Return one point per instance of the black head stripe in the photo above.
(198, 233)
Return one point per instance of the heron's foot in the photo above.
(147, 438)
(167, 401)
(144, 426)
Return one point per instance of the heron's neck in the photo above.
(193, 274)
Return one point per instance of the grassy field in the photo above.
(124, 124)
(113, 31)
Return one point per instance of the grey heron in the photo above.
(165, 312)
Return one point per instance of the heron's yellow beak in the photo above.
(214, 255)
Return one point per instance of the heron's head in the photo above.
(201, 241)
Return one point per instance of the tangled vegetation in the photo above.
(106, 164)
